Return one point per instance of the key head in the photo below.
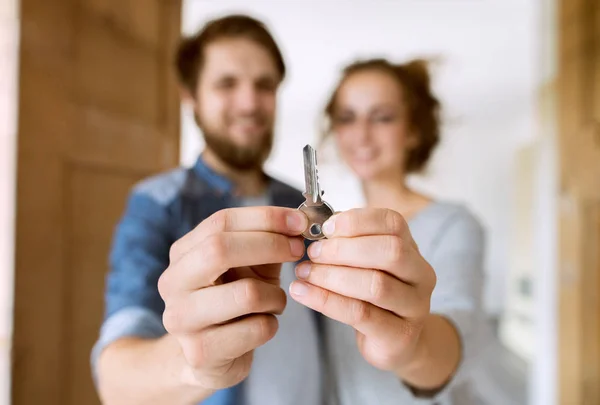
(317, 215)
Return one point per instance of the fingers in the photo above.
(373, 286)
(286, 221)
(389, 253)
(203, 265)
(364, 222)
(366, 318)
(211, 306)
(221, 344)
(219, 326)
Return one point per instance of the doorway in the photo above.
(98, 110)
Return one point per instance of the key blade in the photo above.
(311, 180)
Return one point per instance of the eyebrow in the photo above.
(265, 78)
(377, 109)
(386, 106)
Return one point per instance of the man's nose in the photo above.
(247, 98)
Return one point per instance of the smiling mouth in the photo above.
(364, 155)
(248, 124)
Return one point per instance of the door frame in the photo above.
(579, 202)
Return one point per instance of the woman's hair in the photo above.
(422, 106)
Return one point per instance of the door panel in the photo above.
(98, 110)
(106, 139)
(94, 200)
(142, 24)
(579, 233)
(137, 71)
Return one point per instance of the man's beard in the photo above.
(237, 157)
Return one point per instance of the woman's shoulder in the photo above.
(447, 221)
(450, 212)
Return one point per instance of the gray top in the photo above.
(288, 370)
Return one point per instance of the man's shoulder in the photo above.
(163, 188)
(285, 195)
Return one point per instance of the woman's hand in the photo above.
(370, 275)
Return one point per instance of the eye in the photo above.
(343, 119)
(226, 83)
(384, 118)
(267, 85)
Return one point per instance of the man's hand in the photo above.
(221, 289)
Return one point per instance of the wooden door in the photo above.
(579, 222)
(98, 110)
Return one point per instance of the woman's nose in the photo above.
(362, 132)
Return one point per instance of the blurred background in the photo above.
(88, 105)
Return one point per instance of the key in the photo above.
(315, 208)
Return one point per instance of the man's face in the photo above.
(235, 101)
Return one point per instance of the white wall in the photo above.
(9, 41)
(544, 373)
(485, 81)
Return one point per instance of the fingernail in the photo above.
(303, 270)
(329, 226)
(298, 288)
(296, 247)
(314, 249)
(296, 221)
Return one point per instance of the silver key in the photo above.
(315, 208)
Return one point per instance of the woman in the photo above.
(403, 276)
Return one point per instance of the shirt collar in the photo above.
(221, 183)
(278, 193)
(215, 180)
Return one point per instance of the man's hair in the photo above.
(190, 55)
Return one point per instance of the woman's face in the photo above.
(370, 125)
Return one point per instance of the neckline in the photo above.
(422, 211)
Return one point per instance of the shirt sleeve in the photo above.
(138, 256)
(458, 260)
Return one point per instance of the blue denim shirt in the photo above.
(159, 211)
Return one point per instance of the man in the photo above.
(230, 72)
(195, 296)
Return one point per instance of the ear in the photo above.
(186, 96)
